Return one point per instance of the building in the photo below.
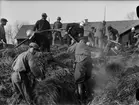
(123, 27)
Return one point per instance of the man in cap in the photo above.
(57, 34)
(22, 67)
(42, 38)
(83, 69)
(75, 30)
(3, 22)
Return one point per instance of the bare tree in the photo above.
(9, 34)
(131, 16)
(12, 31)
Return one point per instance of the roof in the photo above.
(22, 32)
(121, 26)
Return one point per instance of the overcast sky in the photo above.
(70, 11)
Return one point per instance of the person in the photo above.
(23, 69)
(113, 35)
(100, 35)
(91, 37)
(57, 34)
(75, 30)
(3, 23)
(132, 39)
(83, 66)
(41, 37)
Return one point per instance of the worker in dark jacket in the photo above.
(57, 34)
(43, 39)
(75, 30)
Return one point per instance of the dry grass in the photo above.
(119, 74)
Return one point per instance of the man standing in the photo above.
(100, 35)
(43, 39)
(57, 34)
(23, 69)
(91, 37)
(3, 22)
(83, 69)
(75, 30)
(132, 39)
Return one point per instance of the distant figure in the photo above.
(91, 37)
(100, 34)
(113, 35)
(132, 39)
(3, 23)
(57, 34)
(75, 30)
(43, 39)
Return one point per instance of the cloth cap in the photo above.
(3, 19)
(44, 15)
(58, 18)
(33, 45)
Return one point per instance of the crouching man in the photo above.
(21, 76)
(83, 67)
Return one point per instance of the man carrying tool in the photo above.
(57, 34)
(74, 30)
(42, 37)
(113, 39)
(22, 67)
(83, 68)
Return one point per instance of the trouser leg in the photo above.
(53, 39)
(100, 43)
(96, 42)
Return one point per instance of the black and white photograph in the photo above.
(66, 52)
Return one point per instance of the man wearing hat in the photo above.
(22, 67)
(83, 68)
(43, 39)
(3, 22)
(76, 30)
(57, 34)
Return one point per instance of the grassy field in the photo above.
(117, 79)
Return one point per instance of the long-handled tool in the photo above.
(59, 30)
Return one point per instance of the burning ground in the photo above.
(116, 77)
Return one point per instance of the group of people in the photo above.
(77, 41)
